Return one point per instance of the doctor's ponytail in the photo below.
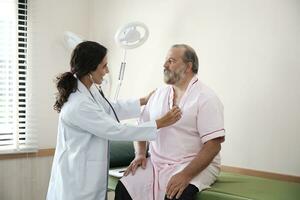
(66, 83)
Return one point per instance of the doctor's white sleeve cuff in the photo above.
(151, 125)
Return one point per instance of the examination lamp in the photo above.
(129, 36)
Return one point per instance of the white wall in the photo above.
(48, 20)
(249, 54)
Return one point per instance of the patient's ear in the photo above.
(189, 66)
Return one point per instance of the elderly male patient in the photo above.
(184, 159)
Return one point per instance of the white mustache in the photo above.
(167, 71)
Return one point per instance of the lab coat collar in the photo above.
(82, 89)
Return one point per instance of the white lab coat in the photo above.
(86, 123)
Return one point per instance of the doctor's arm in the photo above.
(181, 180)
(89, 117)
(131, 108)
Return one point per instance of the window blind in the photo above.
(14, 134)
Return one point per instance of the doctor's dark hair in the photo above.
(84, 59)
(189, 56)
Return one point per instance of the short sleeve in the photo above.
(210, 119)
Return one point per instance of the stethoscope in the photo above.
(108, 145)
(112, 108)
(115, 114)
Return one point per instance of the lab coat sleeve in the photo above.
(88, 117)
(127, 109)
(210, 119)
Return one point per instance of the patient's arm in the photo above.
(210, 149)
(140, 149)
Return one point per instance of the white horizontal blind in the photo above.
(14, 136)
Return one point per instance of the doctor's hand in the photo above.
(139, 161)
(170, 118)
(144, 100)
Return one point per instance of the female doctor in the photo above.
(87, 121)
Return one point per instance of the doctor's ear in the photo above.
(91, 77)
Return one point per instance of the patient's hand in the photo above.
(177, 184)
(139, 161)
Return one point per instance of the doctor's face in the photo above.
(174, 66)
(100, 71)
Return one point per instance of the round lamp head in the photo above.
(132, 35)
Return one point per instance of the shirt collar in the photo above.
(183, 98)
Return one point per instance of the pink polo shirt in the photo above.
(176, 145)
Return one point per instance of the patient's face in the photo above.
(174, 66)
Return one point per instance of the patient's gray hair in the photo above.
(189, 56)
